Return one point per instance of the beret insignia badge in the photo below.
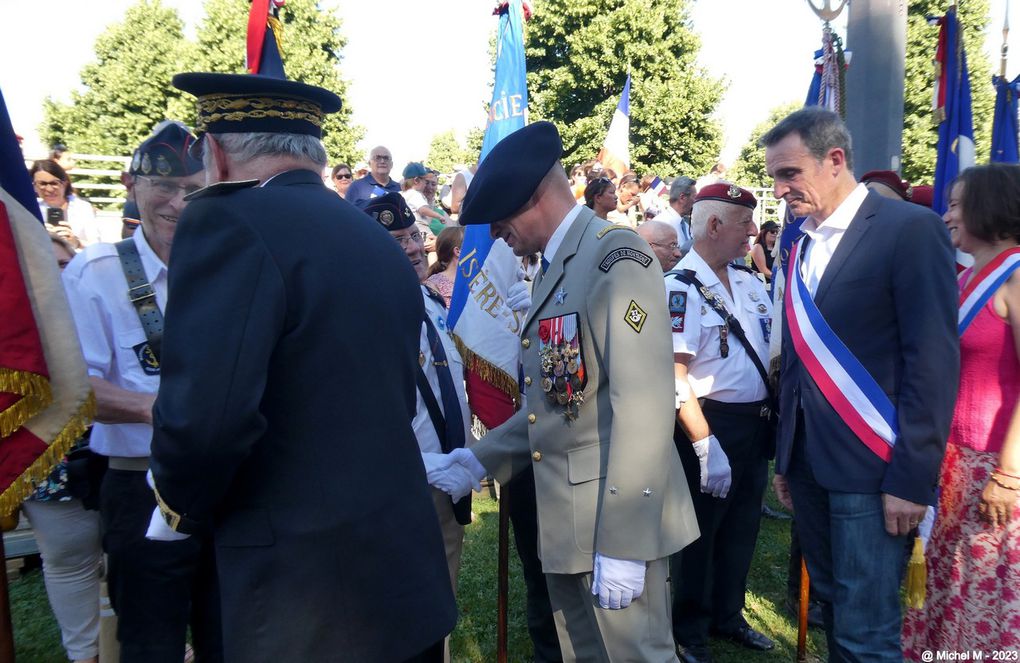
(733, 192)
(386, 218)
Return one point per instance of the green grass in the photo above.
(37, 638)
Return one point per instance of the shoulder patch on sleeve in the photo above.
(220, 188)
(677, 309)
(624, 253)
(635, 316)
(615, 226)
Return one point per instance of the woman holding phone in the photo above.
(68, 215)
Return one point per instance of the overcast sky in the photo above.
(436, 54)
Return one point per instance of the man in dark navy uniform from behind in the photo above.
(284, 418)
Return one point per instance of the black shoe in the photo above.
(748, 637)
(693, 654)
(774, 514)
(814, 612)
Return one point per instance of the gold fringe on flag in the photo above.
(489, 372)
(277, 27)
(35, 394)
(917, 576)
(23, 486)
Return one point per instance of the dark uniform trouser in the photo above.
(710, 575)
(156, 586)
(524, 516)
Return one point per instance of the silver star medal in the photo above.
(560, 295)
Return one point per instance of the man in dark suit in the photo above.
(879, 275)
(283, 423)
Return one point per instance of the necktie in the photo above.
(454, 437)
(545, 264)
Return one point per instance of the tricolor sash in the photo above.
(983, 285)
(847, 386)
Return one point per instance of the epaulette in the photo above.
(742, 267)
(219, 189)
(614, 226)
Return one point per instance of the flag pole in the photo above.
(1005, 43)
(503, 571)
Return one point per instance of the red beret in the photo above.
(888, 178)
(922, 194)
(727, 193)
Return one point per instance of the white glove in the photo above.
(715, 467)
(456, 473)
(617, 582)
(517, 296)
(158, 529)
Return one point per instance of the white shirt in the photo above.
(696, 330)
(424, 430)
(825, 236)
(111, 334)
(681, 226)
(554, 242)
(416, 200)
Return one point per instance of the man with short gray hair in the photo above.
(266, 432)
(377, 182)
(864, 408)
(678, 214)
(662, 238)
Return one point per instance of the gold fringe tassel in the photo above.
(489, 372)
(35, 395)
(277, 27)
(917, 576)
(23, 486)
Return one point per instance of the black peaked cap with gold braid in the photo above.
(242, 103)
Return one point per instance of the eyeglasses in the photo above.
(382, 157)
(403, 240)
(342, 176)
(672, 246)
(48, 184)
(432, 183)
(168, 189)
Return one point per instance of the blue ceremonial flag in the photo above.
(955, 148)
(1004, 123)
(485, 329)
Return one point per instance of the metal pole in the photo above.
(6, 626)
(877, 35)
(1005, 43)
(503, 589)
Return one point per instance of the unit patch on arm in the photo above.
(635, 316)
(677, 309)
(624, 253)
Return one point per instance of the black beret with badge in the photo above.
(510, 173)
(166, 153)
(391, 211)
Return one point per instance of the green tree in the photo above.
(919, 131)
(578, 55)
(445, 151)
(312, 44)
(126, 88)
(749, 169)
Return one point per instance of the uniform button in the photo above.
(532, 418)
(525, 343)
(537, 456)
(527, 380)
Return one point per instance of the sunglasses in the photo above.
(342, 176)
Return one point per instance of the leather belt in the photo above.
(131, 464)
(756, 409)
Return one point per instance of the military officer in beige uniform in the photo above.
(613, 502)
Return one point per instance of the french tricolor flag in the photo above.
(658, 187)
(615, 153)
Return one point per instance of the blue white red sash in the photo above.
(846, 384)
(983, 285)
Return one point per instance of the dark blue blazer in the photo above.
(283, 422)
(890, 294)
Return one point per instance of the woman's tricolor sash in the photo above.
(846, 384)
(983, 286)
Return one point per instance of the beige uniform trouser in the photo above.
(639, 633)
(453, 542)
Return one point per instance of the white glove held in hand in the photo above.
(517, 296)
(158, 529)
(715, 467)
(456, 473)
(617, 582)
